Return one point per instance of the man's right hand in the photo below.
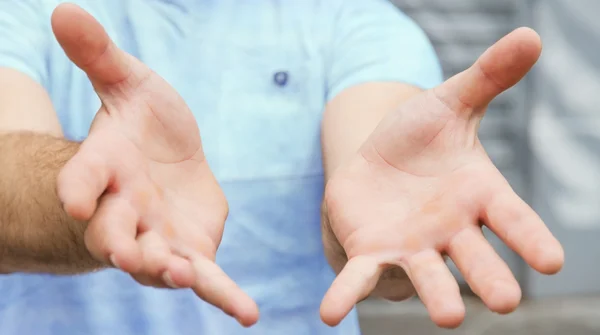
(141, 179)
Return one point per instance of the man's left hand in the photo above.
(420, 188)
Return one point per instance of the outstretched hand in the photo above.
(141, 179)
(421, 187)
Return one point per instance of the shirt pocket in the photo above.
(269, 114)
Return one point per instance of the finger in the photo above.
(486, 273)
(110, 236)
(88, 45)
(160, 265)
(146, 280)
(511, 219)
(355, 282)
(81, 182)
(437, 288)
(155, 253)
(216, 288)
(498, 69)
(179, 274)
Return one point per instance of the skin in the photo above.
(141, 179)
(419, 189)
(36, 235)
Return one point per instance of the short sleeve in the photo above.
(25, 34)
(374, 41)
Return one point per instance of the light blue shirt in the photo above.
(257, 75)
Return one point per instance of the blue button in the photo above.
(281, 78)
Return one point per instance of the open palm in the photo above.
(420, 188)
(154, 207)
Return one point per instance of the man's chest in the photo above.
(259, 107)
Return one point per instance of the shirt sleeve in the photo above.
(374, 41)
(25, 36)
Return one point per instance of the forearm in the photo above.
(351, 117)
(36, 235)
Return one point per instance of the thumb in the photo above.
(88, 45)
(502, 66)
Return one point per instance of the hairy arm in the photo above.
(36, 235)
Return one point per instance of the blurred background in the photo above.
(544, 135)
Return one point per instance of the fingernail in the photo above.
(168, 280)
(113, 261)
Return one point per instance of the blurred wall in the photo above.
(564, 137)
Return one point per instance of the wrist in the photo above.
(36, 235)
